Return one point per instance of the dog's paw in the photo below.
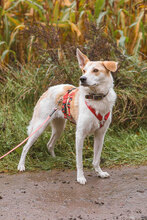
(103, 174)
(82, 180)
(21, 167)
(52, 153)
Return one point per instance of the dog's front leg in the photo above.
(79, 159)
(98, 145)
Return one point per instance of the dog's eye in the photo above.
(95, 70)
(84, 71)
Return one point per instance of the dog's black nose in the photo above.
(83, 79)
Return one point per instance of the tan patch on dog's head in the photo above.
(96, 67)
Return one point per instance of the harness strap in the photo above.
(101, 118)
(67, 98)
(68, 104)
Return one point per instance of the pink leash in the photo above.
(30, 135)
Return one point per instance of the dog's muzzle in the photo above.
(83, 80)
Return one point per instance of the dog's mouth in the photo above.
(87, 85)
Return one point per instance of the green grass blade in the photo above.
(99, 5)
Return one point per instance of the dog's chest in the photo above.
(96, 117)
(90, 123)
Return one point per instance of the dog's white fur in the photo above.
(86, 123)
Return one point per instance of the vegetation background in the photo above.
(38, 40)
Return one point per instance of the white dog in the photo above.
(89, 106)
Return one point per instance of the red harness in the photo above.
(67, 98)
(101, 118)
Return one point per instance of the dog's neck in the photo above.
(103, 105)
(98, 90)
(96, 97)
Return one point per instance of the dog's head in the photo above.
(95, 73)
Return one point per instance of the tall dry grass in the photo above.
(124, 20)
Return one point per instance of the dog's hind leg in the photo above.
(34, 124)
(57, 125)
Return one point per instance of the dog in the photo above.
(89, 106)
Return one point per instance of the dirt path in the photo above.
(56, 195)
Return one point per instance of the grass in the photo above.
(122, 146)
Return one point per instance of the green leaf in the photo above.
(111, 2)
(37, 7)
(138, 19)
(6, 52)
(101, 15)
(6, 23)
(65, 16)
(72, 17)
(13, 20)
(118, 19)
(99, 5)
(122, 41)
(90, 16)
(133, 24)
(138, 44)
(2, 43)
(1, 12)
(14, 5)
(56, 12)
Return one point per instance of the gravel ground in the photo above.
(51, 195)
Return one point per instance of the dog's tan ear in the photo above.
(82, 59)
(111, 65)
